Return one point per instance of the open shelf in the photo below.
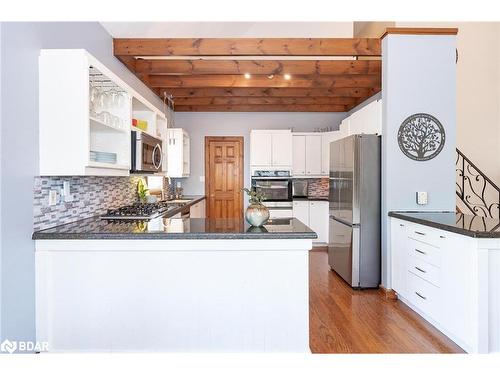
(102, 126)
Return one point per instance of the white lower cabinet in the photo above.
(197, 211)
(437, 274)
(315, 215)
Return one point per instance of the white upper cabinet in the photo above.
(367, 120)
(313, 155)
(85, 116)
(326, 139)
(282, 148)
(299, 155)
(271, 148)
(260, 148)
(178, 149)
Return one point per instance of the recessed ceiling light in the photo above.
(247, 75)
(287, 76)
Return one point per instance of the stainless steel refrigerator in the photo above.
(354, 235)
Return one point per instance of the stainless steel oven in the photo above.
(147, 154)
(276, 185)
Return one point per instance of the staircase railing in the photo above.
(476, 191)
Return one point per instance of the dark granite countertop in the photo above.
(165, 228)
(468, 225)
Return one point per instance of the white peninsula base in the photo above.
(234, 295)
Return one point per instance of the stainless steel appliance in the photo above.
(299, 188)
(354, 233)
(144, 211)
(276, 185)
(147, 154)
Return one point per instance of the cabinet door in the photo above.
(175, 156)
(185, 155)
(318, 219)
(326, 138)
(313, 155)
(260, 149)
(399, 254)
(299, 155)
(282, 149)
(460, 312)
(301, 211)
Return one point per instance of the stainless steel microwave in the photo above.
(147, 153)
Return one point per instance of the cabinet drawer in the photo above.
(425, 252)
(424, 270)
(430, 236)
(423, 295)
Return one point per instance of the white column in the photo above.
(418, 76)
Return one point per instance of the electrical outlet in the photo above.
(52, 197)
(421, 197)
(66, 192)
(202, 178)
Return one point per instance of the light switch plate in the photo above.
(421, 197)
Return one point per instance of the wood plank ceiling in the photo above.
(278, 75)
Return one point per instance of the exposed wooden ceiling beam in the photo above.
(267, 92)
(304, 81)
(263, 108)
(248, 47)
(224, 100)
(188, 67)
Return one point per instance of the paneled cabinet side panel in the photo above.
(63, 113)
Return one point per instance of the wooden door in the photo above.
(224, 177)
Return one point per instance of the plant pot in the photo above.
(257, 215)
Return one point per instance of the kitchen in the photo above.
(228, 285)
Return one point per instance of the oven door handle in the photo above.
(271, 178)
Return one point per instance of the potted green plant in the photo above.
(256, 213)
(142, 190)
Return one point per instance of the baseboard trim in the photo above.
(388, 294)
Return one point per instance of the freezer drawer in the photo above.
(343, 254)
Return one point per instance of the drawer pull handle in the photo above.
(421, 296)
(420, 251)
(422, 234)
(442, 237)
(421, 270)
(401, 225)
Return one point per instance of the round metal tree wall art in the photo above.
(421, 137)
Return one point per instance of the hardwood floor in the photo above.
(343, 320)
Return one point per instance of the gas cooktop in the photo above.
(139, 211)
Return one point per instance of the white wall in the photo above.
(418, 75)
(21, 44)
(229, 29)
(201, 124)
(478, 92)
(478, 87)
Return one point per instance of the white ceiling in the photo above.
(229, 29)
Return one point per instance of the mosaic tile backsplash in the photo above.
(92, 195)
(317, 187)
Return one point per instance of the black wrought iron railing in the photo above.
(476, 191)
